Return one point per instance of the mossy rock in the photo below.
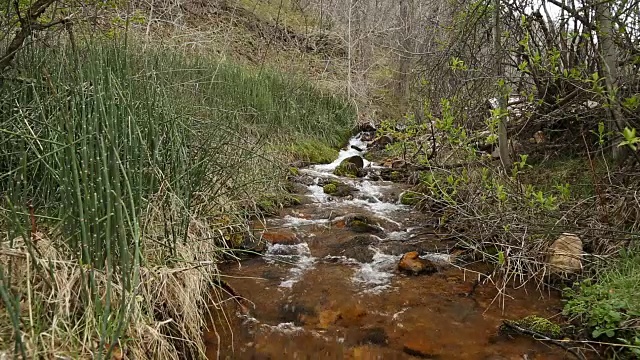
(410, 198)
(361, 224)
(293, 171)
(330, 188)
(535, 324)
(337, 188)
(346, 169)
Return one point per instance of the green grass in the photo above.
(135, 160)
(609, 305)
(311, 151)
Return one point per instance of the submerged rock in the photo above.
(361, 224)
(284, 237)
(565, 254)
(412, 263)
(358, 248)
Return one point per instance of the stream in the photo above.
(328, 289)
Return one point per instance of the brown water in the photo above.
(327, 292)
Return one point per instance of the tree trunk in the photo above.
(608, 69)
(503, 139)
(404, 56)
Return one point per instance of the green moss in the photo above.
(346, 169)
(409, 198)
(330, 188)
(540, 325)
(294, 171)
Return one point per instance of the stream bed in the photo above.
(326, 289)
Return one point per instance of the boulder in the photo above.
(284, 237)
(351, 167)
(338, 189)
(565, 254)
(357, 160)
(411, 263)
(357, 248)
(361, 224)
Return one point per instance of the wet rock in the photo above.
(565, 254)
(347, 169)
(356, 148)
(367, 127)
(295, 313)
(361, 224)
(336, 188)
(356, 160)
(411, 263)
(358, 248)
(382, 142)
(360, 254)
(374, 336)
(284, 237)
(368, 136)
(303, 179)
(420, 348)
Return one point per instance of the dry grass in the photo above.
(164, 314)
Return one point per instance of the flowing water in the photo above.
(323, 291)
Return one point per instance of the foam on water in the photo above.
(378, 207)
(299, 255)
(285, 328)
(296, 221)
(376, 276)
(344, 154)
(367, 188)
(317, 193)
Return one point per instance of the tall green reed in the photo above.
(92, 140)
